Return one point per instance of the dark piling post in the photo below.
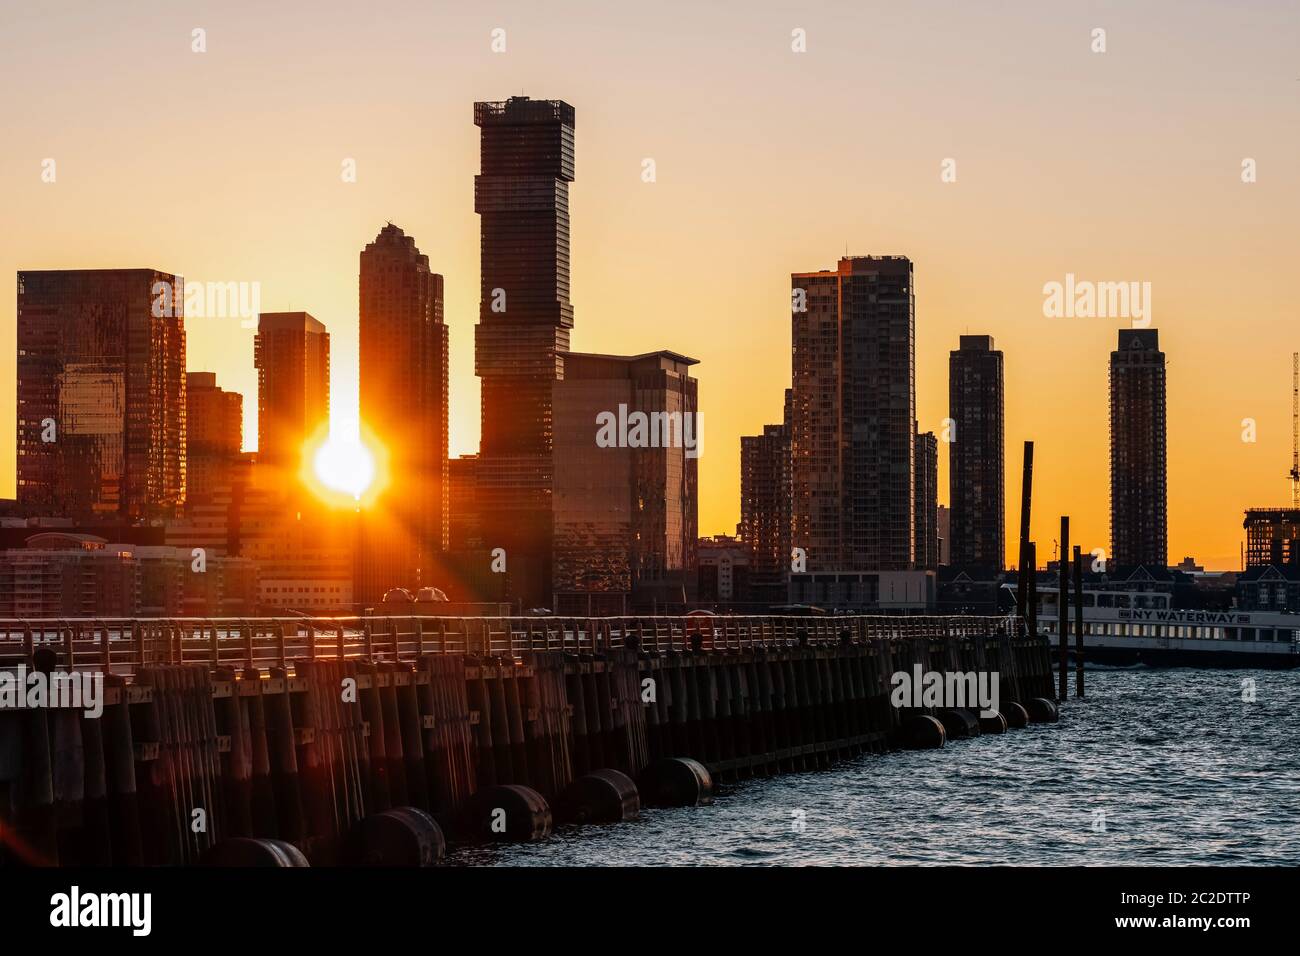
(1031, 572)
(1078, 622)
(1026, 562)
(1063, 612)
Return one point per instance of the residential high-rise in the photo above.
(976, 463)
(1138, 516)
(522, 197)
(765, 508)
(101, 393)
(403, 391)
(292, 354)
(853, 411)
(214, 434)
(927, 501)
(626, 482)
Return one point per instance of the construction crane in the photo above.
(1295, 429)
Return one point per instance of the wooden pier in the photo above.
(295, 741)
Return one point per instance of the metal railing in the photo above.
(121, 645)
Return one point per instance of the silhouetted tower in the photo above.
(522, 195)
(976, 463)
(402, 363)
(1138, 517)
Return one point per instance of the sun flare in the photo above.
(342, 468)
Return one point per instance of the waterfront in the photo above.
(1184, 771)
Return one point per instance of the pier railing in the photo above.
(122, 645)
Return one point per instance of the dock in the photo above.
(374, 740)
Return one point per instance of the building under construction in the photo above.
(1272, 536)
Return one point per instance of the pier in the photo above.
(373, 740)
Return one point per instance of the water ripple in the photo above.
(1155, 767)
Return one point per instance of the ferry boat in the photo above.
(1126, 628)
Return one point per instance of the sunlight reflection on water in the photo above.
(1174, 765)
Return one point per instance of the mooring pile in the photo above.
(320, 741)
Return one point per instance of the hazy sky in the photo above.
(1123, 165)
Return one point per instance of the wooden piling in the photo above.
(1026, 554)
(1078, 622)
(1063, 611)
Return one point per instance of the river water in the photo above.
(1154, 767)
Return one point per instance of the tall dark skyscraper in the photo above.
(927, 501)
(291, 351)
(403, 390)
(522, 195)
(101, 393)
(765, 508)
(976, 463)
(853, 412)
(1138, 516)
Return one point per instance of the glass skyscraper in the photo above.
(522, 197)
(101, 394)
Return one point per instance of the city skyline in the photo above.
(637, 244)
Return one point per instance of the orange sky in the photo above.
(225, 166)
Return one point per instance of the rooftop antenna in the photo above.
(1295, 430)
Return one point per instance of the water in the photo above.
(1183, 770)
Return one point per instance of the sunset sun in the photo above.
(343, 468)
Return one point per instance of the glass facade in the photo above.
(101, 394)
(626, 522)
(522, 197)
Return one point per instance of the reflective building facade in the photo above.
(525, 317)
(101, 393)
(626, 499)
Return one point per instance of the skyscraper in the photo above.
(626, 525)
(214, 434)
(403, 391)
(101, 393)
(927, 501)
(976, 463)
(853, 410)
(765, 508)
(292, 354)
(1138, 516)
(522, 195)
